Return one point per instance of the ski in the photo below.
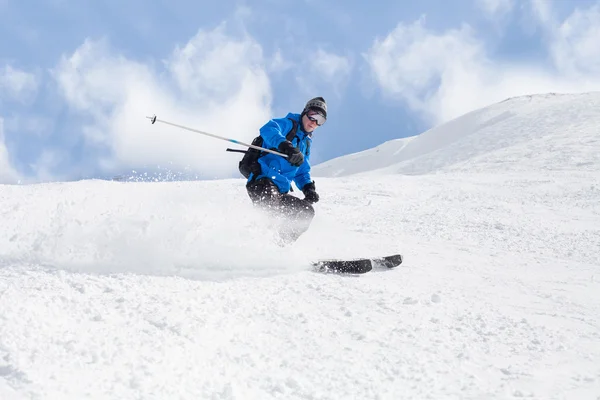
(357, 266)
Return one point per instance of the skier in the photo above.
(270, 182)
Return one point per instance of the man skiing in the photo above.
(270, 182)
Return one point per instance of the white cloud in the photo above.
(572, 43)
(428, 70)
(45, 165)
(331, 67)
(215, 83)
(278, 63)
(18, 85)
(575, 43)
(211, 66)
(324, 72)
(444, 75)
(7, 173)
(542, 11)
(495, 8)
(32, 125)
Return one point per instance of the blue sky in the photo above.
(77, 78)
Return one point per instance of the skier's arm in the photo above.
(272, 133)
(304, 183)
(302, 176)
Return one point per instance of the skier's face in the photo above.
(312, 120)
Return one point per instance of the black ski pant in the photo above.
(296, 213)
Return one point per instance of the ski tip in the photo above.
(391, 261)
(395, 259)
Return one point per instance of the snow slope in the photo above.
(175, 289)
(381, 156)
(541, 132)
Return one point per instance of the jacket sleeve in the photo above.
(302, 176)
(272, 133)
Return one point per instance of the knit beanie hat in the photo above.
(317, 104)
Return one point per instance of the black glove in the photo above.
(295, 157)
(310, 193)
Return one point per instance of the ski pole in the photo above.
(153, 119)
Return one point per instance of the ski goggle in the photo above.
(317, 117)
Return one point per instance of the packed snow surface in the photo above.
(177, 290)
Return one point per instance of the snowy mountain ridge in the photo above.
(554, 131)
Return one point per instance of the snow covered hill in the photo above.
(381, 156)
(541, 132)
(175, 290)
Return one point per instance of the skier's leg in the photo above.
(296, 213)
(299, 214)
(263, 193)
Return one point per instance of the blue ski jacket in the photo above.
(277, 168)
